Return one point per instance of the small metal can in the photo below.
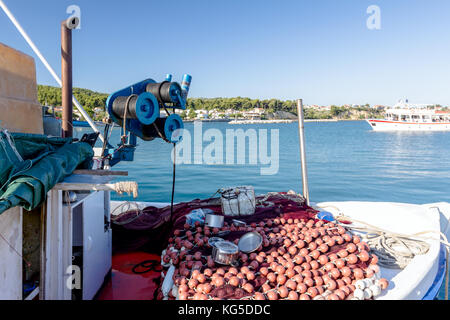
(225, 253)
(214, 220)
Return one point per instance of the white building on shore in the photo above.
(255, 114)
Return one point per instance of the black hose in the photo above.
(147, 266)
(173, 178)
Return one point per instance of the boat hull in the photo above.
(386, 125)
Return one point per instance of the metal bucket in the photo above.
(214, 220)
(225, 253)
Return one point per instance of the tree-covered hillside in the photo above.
(94, 104)
(241, 104)
(90, 100)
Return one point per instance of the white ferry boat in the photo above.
(412, 117)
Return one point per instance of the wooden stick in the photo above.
(101, 173)
(69, 186)
(119, 187)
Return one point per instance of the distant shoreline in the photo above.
(208, 120)
(270, 121)
(262, 121)
(84, 124)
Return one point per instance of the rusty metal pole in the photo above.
(66, 78)
(301, 131)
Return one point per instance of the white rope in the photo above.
(130, 187)
(12, 145)
(415, 236)
(392, 250)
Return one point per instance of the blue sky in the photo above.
(319, 50)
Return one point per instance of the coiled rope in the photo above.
(393, 250)
(130, 187)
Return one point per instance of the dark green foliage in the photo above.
(90, 100)
(241, 104)
(273, 105)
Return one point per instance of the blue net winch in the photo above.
(138, 107)
(143, 107)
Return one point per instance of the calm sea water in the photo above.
(346, 161)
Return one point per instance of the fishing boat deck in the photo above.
(421, 279)
(127, 282)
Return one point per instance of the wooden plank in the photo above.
(17, 75)
(54, 280)
(18, 93)
(12, 117)
(84, 187)
(120, 187)
(101, 173)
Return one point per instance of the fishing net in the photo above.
(301, 257)
(137, 229)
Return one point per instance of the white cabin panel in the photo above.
(11, 261)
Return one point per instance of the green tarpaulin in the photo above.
(31, 165)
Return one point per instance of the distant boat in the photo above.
(412, 117)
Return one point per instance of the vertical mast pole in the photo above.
(66, 79)
(301, 130)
